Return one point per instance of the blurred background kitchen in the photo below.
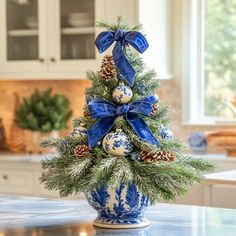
(46, 47)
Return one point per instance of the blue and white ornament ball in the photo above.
(117, 144)
(79, 132)
(165, 133)
(122, 94)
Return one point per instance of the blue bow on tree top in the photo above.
(122, 38)
(107, 112)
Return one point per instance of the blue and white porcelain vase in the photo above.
(119, 208)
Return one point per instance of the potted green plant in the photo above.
(43, 114)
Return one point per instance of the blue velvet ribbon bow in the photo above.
(107, 112)
(122, 38)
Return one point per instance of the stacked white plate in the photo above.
(80, 19)
(32, 22)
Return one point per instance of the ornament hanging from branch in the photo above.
(122, 94)
(79, 132)
(117, 143)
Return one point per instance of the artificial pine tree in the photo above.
(127, 139)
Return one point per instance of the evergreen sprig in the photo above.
(43, 111)
(121, 24)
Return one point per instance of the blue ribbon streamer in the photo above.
(107, 112)
(105, 39)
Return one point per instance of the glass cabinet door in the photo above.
(22, 30)
(77, 32)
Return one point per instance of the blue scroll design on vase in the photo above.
(124, 205)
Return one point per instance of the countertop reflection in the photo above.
(38, 217)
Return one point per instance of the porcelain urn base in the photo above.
(121, 208)
(142, 223)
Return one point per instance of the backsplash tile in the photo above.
(73, 89)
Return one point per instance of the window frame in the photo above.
(193, 85)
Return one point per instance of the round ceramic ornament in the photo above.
(165, 133)
(122, 94)
(117, 144)
(79, 132)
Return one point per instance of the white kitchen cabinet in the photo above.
(193, 197)
(23, 38)
(19, 175)
(217, 195)
(16, 181)
(219, 189)
(41, 39)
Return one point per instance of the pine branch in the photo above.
(122, 172)
(197, 163)
(101, 173)
(121, 24)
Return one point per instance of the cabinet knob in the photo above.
(52, 59)
(41, 60)
(5, 177)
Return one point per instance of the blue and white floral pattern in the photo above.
(124, 205)
(165, 133)
(117, 144)
(122, 94)
(79, 132)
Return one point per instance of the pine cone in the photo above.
(82, 151)
(166, 155)
(108, 69)
(154, 109)
(161, 155)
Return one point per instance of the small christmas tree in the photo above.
(124, 136)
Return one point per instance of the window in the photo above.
(210, 61)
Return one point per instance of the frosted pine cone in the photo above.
(108, 69)
(165, 155)
(161, 155)
(82, 151)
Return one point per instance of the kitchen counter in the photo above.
(226, 177)
(38, 216)
(21, 157)
(214, 157)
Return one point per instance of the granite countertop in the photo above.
(226, 177)
(39, 217)
(22, 157)
(214, 157)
